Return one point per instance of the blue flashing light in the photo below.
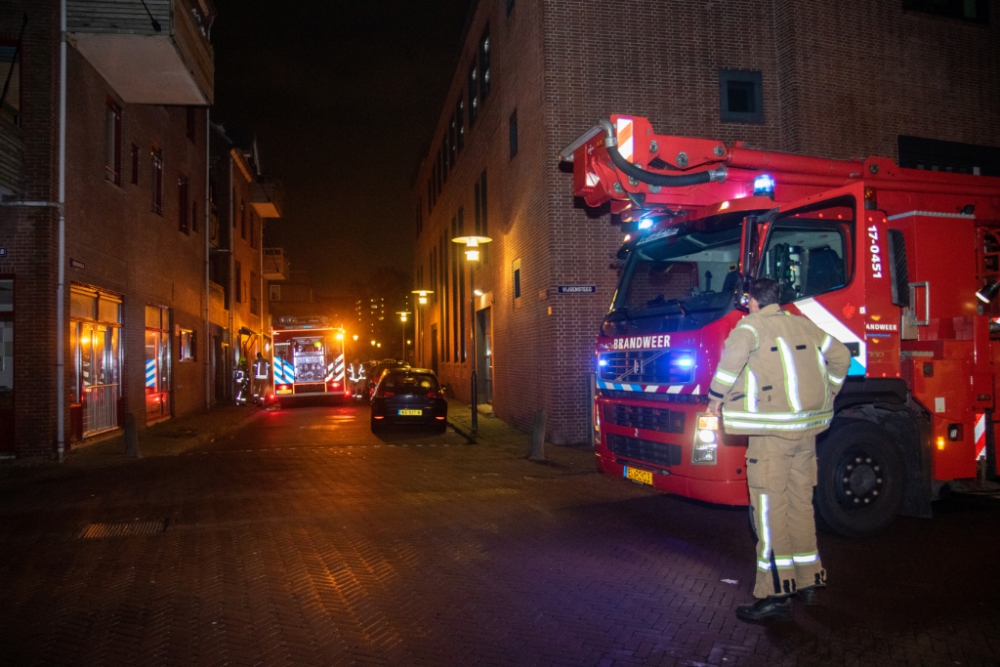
(763, 186)
(684, 362)
(602, 362)
(645, 224)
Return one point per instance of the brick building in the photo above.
(240, 200)
(103, 281)
(911, 79)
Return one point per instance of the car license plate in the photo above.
(639, 475)
(417, 413)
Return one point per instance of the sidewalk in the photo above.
(166, 438)
(497, 433)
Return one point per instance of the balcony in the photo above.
(11, 156)
(162, 56)
(268, 199)
(275, 264)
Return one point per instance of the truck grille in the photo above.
(674, 366)
(650, 419)
(657, 453)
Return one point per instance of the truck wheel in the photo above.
(861, 477)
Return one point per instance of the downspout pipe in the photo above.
(61, 286)
(652, 178)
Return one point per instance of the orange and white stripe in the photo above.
(626, 143)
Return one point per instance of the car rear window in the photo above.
(410, 383)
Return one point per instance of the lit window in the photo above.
(187, 350)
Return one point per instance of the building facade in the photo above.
(914, 80)
(103, 267)
(241, 199)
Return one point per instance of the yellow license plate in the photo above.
(417, 413)
(639, 475)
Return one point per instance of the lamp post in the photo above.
(472, 244)
(402, 319)
(421, 299)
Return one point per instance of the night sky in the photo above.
(343, 96)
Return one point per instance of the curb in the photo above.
(462, 432)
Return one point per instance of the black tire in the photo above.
(861, 478)
(441, 428)
(376, 425)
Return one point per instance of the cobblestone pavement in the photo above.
(304, 540)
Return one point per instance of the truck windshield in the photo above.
(678, 279)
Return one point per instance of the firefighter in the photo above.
(261, 374)
(241, 378)
(776, 382)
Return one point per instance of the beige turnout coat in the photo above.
(778, 374)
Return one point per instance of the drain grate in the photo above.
(125, 529)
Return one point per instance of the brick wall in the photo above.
(565, 63)
(117, 243)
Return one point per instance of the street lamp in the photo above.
(421, 299)
(402, 320)
(472, 244)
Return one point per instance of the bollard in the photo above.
(131, 437)
(537, 452)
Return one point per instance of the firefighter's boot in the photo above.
(809, 595)
(778, 608)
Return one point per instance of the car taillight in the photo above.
(284, 389)
(433, 394)
(387, 394)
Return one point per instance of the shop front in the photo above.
(95, 341)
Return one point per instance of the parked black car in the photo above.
(375, 372)
(409, 396)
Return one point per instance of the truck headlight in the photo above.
(706, 440)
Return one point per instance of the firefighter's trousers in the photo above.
(781, 474)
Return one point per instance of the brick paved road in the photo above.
(304, 540)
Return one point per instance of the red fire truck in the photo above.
(901, 265)
(308, 358)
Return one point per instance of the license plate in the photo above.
(639, 475)
(417, 413)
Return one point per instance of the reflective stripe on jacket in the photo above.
(778, 373)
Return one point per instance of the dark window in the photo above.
(420, 217)
(430, 196)
(484, 64)
(444, 160)
(239, 282)
(517, 283)
(513, 134)
(191, 123)
(194, 214)
(510, 6)
(156, 160)
(10, 75)
(452, 147)
(968, 10)
(473, 95)
(113, 144)
(253, 228)
(461, 287)
(482, 219)
(460, 126)
(182, 204)
(135, 165)
(243, 219)
(936, 155)
(741, 96)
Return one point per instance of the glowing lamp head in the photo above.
(472, 255)
(645, 224)
(422, 300)
(355, 336)
(763, 186)
(602, 362)
(684, 362)
(340, 336)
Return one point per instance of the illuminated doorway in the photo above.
(95, 339)
(157, 363)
